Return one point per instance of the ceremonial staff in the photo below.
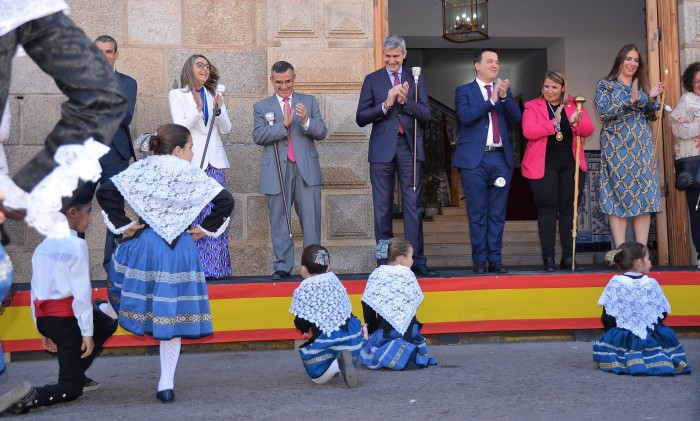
(220, 89)
(270, 118)
(416, 75)
(579, 100)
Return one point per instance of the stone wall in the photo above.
(329, 42)
(688, 32)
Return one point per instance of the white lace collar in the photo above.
(323, 301)
(16, 13)
(167, 192)
(636, 303)
(74, 162)
(394, 293)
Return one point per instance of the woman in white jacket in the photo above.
(192, 106)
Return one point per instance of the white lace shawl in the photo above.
(323, 301)
(635, 303)
(43, 204)
(167, 192)
(16, 13)
(394, 293)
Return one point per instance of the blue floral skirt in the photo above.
(620, 351)
(320, 354)
(395, 352)
(159, 291)
(213, 252)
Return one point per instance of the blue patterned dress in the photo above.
(213, 251)
(629, 183)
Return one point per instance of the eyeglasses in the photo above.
(203, 65)
(279, 83)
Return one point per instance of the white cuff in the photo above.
(112, 228)
(218, 232)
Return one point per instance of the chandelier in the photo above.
(465, 20)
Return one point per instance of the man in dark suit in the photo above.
(121, 150)
(484, 156)
(388, 102)
(291, 122)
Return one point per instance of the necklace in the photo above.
(559, 136)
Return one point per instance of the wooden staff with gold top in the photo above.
(579, 100)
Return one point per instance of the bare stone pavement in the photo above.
(486, 381)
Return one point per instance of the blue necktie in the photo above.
(205, 106)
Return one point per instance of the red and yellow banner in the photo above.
(260, 311)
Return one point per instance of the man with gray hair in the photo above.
(387, 101)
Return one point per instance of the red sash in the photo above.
(54, 308)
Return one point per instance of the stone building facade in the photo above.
(329, 42)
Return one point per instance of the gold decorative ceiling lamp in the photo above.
(465, 20)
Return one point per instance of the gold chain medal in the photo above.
(559, 136)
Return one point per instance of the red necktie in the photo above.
(290, 149)
(494, 119)
(398, 82)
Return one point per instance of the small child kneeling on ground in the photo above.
(636, 341)
(71, 325)
(321, 304)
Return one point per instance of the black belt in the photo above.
(493, 149)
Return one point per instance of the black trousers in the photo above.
(692, 196)
(96, 99)
(65, 332)
(554, 199)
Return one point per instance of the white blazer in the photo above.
(183, 110)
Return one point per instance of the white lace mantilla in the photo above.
(323, 301)
(43, 204)
(167, 192)
(394, 293)
(16, 13)
(635, 303)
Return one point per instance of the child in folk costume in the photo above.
(157, 284)
(321, 305)
(636, 341)
(71, 325)
(389, 304)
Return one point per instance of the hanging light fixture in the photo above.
(465, 20)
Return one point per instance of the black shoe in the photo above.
(548, 264)
(565, 264)
(479, 267)
(347, 368)
(280, 274)
(166, 396)
(90, 385)
(108, 322)
(497, 267)
(423, 270)
(18, 400)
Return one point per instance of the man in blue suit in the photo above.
(484, 156)
(121, 150)
(388, 102)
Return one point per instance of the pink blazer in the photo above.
(537, 126)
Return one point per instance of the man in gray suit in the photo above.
(289, 122)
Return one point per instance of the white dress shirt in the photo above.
(489, 136)
(60, 269)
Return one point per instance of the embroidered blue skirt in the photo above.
(622, 352)
(395, 352)
(320, 354)
(213, 252)
(159, 291)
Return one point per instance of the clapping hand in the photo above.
(288, 117)
(302, 113)
(557, 113)
(634, 95)
(197, 99)
(657, 90)
(505, 84)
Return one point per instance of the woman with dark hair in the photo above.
(192, 105)
(629, 186)
(390, 301)
(324, 315)
(156, 282)
(636, 341)
(685, 123)
(551, 124)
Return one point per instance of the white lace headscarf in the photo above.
(323, 301)
(635, 303)
(394, 293)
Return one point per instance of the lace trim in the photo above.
(636, 304)
(394, 293)
(219, 231)
(112, 228)
(323, 301)
(43, 204)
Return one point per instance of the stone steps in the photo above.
(447, 243)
